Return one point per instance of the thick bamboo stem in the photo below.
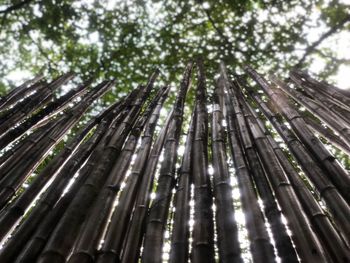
(90, 235)
(242, 137)
(48, 199)
(336, 95)
(63, 237)
(14, 177)
(327, 134)
(21, 110)
(335, 171)
(227, 230)
(337, 205)
(179, 252)
(49, 111)
(13, 212)
(203, 228)
(159, 210)
(324, 100)
(323, 113)
(19, 92)
(337, 248)
(137, 224)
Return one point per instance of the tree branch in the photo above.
(10, 9)
(221, 34)
(15, 7)
(311, 49)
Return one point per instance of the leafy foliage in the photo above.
(127, 39)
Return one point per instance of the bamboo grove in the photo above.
(121, 190)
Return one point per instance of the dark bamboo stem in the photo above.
(19, 92)
(159, 210)
(336, 246)
(283, 241)
(203, 228)
(70, 224)
(228, 244)
(327, 134)
(37, 100)
(179, 252)
(338, 207)
(14, 211)
(15, 173)
(90, 235)
(307, 245)
(246, 173)
(37, 218)
(336, 95)
(51, 109)
(136, 227)
(323, 113)
(335, 172)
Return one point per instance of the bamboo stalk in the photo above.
(22, 148)
(43, 209)
(116, 231)
(240, 137)
(332, 92)
(324, 100)
(203, 228)
(15, 176)
(54, 191)
(43, 95)
(51, 109)
(323, 92)
(17, 208)
(136, 227)
(307, 245)
(335, 122)
(337, 205)
(89, 237)
(159, 210)
(329, 102)
(19, 92)
(327, 134)
(38, 241)
(33, 139)
(63, 237)
(335, 172)
(283, 242)
(227, 230)
(336, 246)
(180, 233)
(42, 234)
(257, 233)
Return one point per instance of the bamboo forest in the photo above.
(174, 131)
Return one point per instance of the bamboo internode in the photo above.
(128, 187)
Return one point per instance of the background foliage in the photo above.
(126, 39)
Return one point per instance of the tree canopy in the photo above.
(127, 39)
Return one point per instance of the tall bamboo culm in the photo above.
(157, 218)
(203, 228)
(116, 190)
